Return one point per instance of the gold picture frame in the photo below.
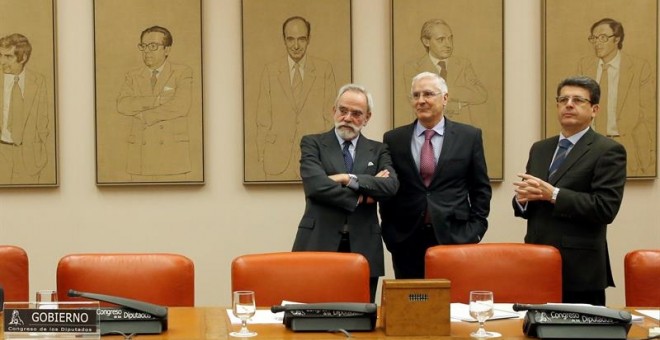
(28, 126)
(149, 112)
(630, 40)
(474, 59)
(275, 117)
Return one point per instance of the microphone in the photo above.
(153, 309)
(522, 306)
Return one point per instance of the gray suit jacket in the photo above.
(591, 182)
(329, 205)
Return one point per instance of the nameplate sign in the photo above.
(60, 320)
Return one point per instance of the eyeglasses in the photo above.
(601, 38)
(149, 46)
(563, 100)
(423, 95)
(344, 111)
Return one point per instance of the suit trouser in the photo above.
(345, 247)
(408, 256)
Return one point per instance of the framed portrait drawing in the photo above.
(148, 68)
(615, 43)
(463, 41)
(28, 123)
(296, 55)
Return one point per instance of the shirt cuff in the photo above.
(353, 182)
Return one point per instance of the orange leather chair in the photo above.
(14, 273)
(642, 276)
(163, 279)
(308, 277)
(514, 272)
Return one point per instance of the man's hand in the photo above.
(532, 189)
(383, 173)
(342, 179)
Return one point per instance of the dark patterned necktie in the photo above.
(348, 159)
(427, 158)
(562, 152)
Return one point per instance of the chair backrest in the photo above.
(14, 273)
(642, 276)
(308, 277)
(163, 279)
(514, 272)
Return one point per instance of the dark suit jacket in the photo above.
(329, 205)
(458, 198)
(591, 182)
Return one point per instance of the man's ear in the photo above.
(594, 110)
(425, 42)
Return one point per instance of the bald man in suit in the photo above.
(294, 96)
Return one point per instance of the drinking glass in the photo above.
(481, 308)
(46, 299)
(243, 307)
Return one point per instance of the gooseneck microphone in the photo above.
(153, 309)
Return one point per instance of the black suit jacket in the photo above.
(329, 205)
(590, 183)
(458, 198)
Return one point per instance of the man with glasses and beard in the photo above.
(344, 174)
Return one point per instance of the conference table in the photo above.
(208, 323)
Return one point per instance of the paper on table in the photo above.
(264, 316)
(461, 312)
(651, 313)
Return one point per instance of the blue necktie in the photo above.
(564, 145)
(348, 159)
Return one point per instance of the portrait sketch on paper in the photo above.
(296, 55)
(440, 37)
(28, 149)
(614, 43)
(148, 92)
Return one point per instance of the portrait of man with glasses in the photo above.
(627, 106)
(157, 96)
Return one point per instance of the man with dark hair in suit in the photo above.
(444, 194)
(627, 109)
(343, 175)
(24, 124)
(158, 97)
(571, 191)
(295, 93)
